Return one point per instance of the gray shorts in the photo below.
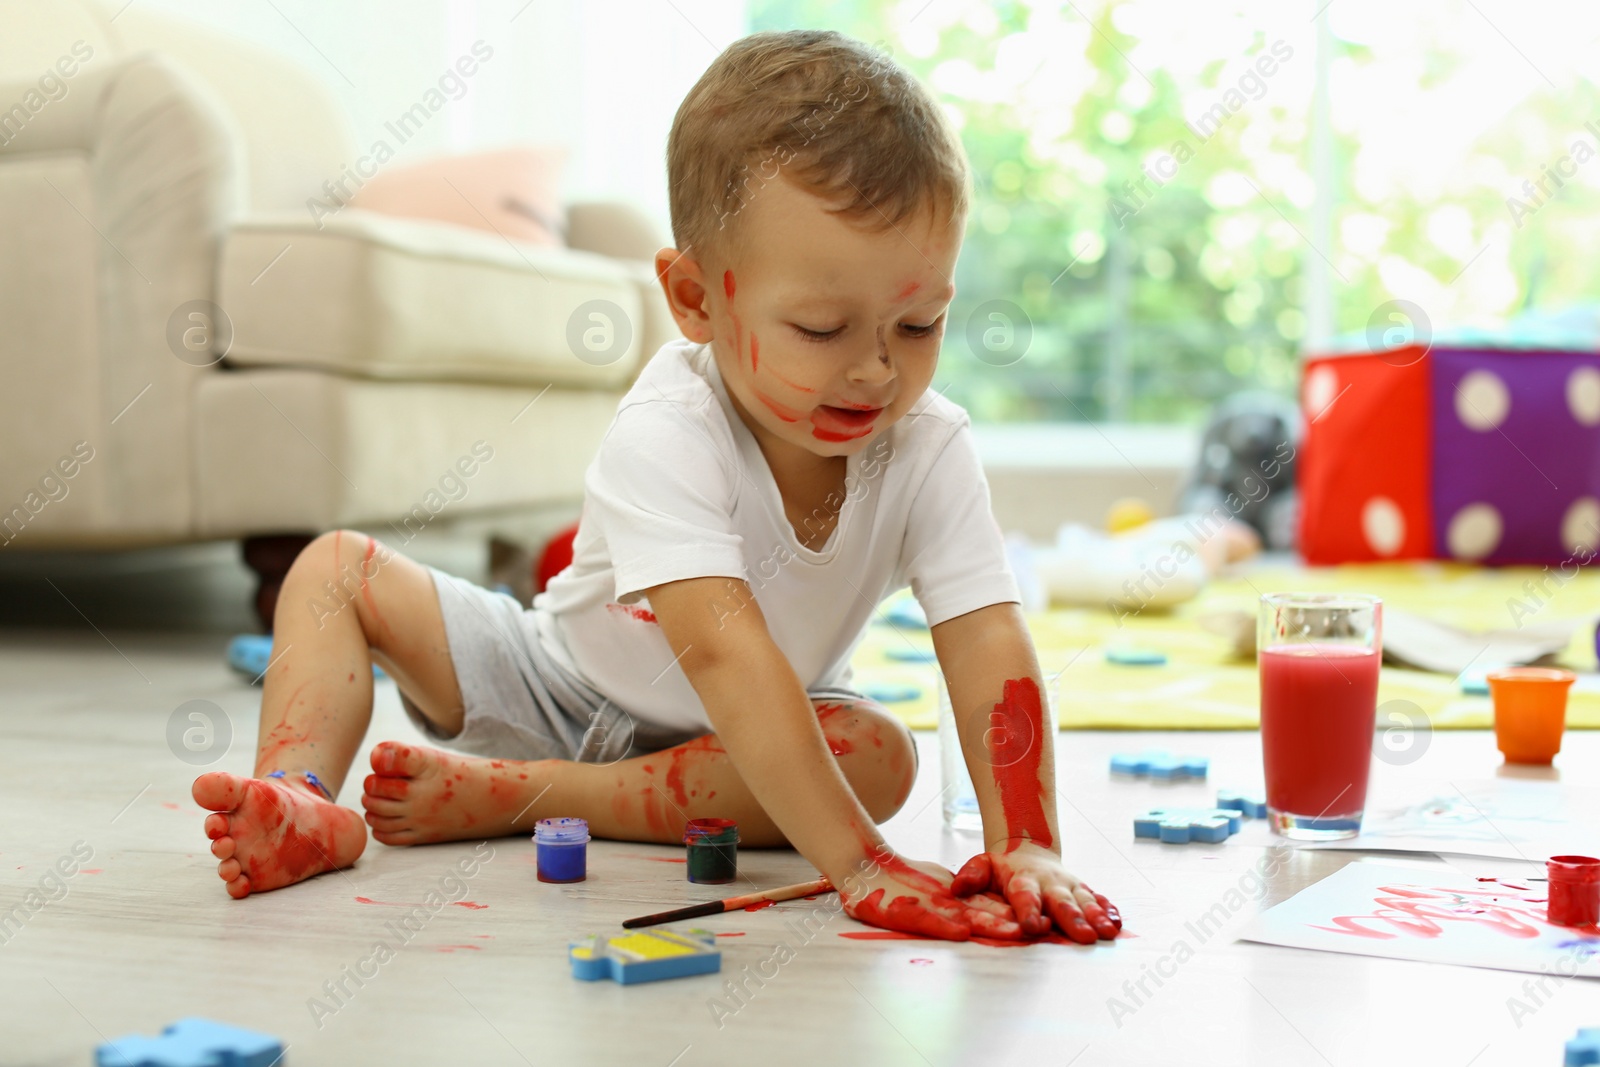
(520, 703)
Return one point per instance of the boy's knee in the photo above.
(878, 752)
(334, 569)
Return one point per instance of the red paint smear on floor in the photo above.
(920, 961)
(452, 948)
(170, 806)
(469, 904)
(1016, 753)
(739, 933)
(385, 903)
(896, 935)
(93, 870)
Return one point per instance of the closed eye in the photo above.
(817, 335)
(922, 331)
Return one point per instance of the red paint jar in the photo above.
(1574, 890)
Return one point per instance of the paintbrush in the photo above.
(717, 907)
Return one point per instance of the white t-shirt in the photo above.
(680, 489)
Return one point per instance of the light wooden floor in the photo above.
(145, 934)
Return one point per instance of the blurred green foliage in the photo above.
(1152, 304)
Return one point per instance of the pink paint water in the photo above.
(1318, 712)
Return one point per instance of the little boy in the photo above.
(765, 484)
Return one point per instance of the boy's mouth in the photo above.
(830, 423)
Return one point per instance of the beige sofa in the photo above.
(187, 353)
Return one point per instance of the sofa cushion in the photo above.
(515, 192)
(375, 296)
(280, 451)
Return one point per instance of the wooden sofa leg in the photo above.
(271, 558)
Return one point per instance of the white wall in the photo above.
(602, 78)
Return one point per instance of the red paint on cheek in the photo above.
(796, 386)
(908, 291)
(755, 352)
(1014, 742)
(787, 414)
(727, 283)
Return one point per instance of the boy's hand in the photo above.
(1040, 891)
(917, 898)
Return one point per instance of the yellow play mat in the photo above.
(1203, 687)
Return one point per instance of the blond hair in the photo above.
(837, 116)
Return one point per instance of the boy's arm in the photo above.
(765, 721)
(1008, 740)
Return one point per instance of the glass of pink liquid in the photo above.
(1319, 655)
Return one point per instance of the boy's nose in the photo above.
(874, 363)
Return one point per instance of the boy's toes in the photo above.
(223, 848)
(229, 869)
(218, 791)
(378, 805)
(386, 786)
(239, 888)
(392, 757)
(216, 825)
(393, 836)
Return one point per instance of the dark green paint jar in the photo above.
(713, 847)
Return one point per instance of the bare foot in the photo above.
(420, 795)
(269, 834)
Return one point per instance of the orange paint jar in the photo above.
(1530, 711)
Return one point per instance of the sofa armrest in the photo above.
(613, 228)
(113, 199)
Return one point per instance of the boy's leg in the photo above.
(348, 600)
(418, 795)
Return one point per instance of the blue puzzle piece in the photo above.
(907, 613)
(1162, 765)
(1254, 807)
(192, 1043)
(1179, 826)
(1136, 657)
(645, 956)
(249, 654)
(891, 694)
(1585, 1048)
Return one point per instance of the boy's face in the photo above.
(825, 332)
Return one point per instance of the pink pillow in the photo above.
(514, 191)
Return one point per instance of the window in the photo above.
(1168, 208)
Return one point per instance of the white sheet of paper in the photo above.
(1508, 818)
(1403, 913)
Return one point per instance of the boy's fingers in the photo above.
(1064, 910)
(987, 924)
(1109, 908)
(1094, 907)
(1023, 893)
(992, 905)
(974, 876)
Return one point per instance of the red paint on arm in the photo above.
(1014, 743)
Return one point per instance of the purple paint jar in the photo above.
(563, 849)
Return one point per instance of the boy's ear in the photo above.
(684, 283)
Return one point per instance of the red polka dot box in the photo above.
(1468, 453)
